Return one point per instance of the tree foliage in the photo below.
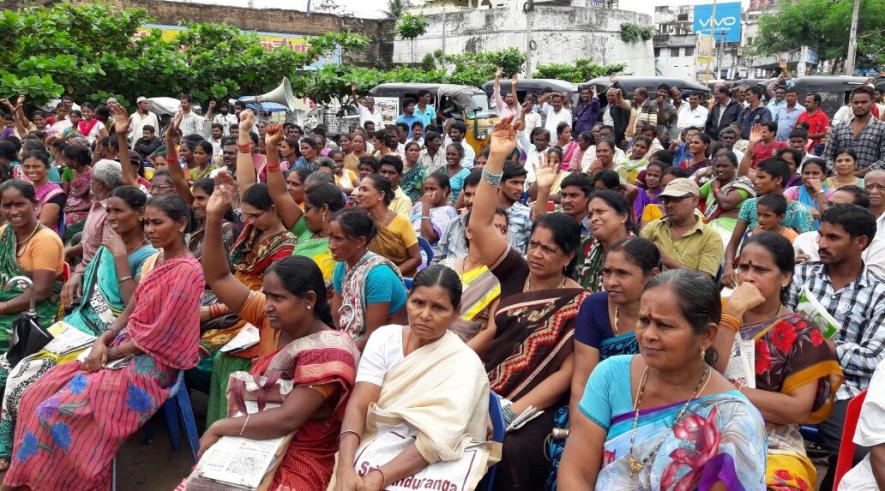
(410, 26)
(581, 71)
(633, 33)
(824, 26)
(395, 8)
(93, 51)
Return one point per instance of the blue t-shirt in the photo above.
(382, 285)
(456, 182)
(608, 392)
(409, 120)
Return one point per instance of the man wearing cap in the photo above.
(141, 118)
(683, 238)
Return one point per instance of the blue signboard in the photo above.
(727, 24)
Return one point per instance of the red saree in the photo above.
(72, 423)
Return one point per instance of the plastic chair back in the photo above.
(846, 448)
(427, 249)
(498, 432)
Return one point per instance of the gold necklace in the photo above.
(18, 244)
(528, 283)
(637, 465)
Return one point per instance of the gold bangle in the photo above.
(244, 425)
(730, 322)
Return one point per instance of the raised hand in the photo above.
(547, 170)
(121, 118)
(514, 79)
(503, 140)
(756, 133)
(498, 72)
(273, 134)
(222, 196)
(247, 120)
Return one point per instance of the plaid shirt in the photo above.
(869, 144)
(860, 309)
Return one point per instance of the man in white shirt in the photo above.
(869, 474)
(141, 117)
(225, 119)
(554, 111)
(692, 114)
(191, 123)
(215, 138)
(367, 109)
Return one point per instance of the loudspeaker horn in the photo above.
(281, 95)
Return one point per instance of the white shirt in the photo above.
(843, 115)
(691, 117)
(869, 433)
(532, 121)
(366, 115)
(225, 120)
(192, 123)
(383, 350)
(590, 156)
(532, 155)
(554, 118)
(435, 162)
(469, 153)
(873, 256)
(137, 122)
(216, 146)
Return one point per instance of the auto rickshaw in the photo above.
(834, 90)
(535, 86)
(461, 102)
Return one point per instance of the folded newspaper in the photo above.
(111, 365)
(741, 368)
(813, 310)
(246, 338)
(236, 463)
(67, 339)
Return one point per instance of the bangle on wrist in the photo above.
(731, 322)
(272, 167)
(124, 278)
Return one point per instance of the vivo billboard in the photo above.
(726, 25)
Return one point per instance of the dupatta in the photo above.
(250, 258)
(165, 322)
(352, 314)
(720, 438)
(535, 334)
(481, 289)
(449, 413)
(740, 182)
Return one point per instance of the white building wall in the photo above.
(679, 66)
(560, 35)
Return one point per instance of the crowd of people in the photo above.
(592, 269)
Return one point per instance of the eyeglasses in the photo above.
(674, 199)
(162, 187)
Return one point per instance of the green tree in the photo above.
(823, 26)
(581, 71)
(93, 51)
(410, 26)
(395, 8)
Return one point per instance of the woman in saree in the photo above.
(395, 239)
(637, 162)
(311, 217)
(797, 372)
(289, 151)
(50, 196)
(84, 405)
(605, 326)
(565, 143)
(414, 173)
(315, 361)
(264, 240)
(357, 151)
(202, 160)
(814, 191)
(530, 359)
(724, 194)
(665, 418)
(697, 159)
(404, 377)
(79, 201)
(368, 290)
(201, 192)
(385, 143)
(433, 214)
(27, 248)
(844, 167)
(481, 291)
(610, 219)
(108, 284)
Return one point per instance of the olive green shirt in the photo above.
(700, 248)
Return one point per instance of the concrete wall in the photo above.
(561, 34)
(379, 32)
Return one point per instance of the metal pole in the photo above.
(444, 30)
(713, 37)
(852, 40)
(529, 8)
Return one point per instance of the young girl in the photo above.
(770, 209)
(814, 191)
(843, 170)
(649, 194)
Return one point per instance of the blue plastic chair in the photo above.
(498, 432)
(427, 249)
(407, 282)
(178, 404)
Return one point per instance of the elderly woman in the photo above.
(405, 378)
(666, 419)
(107, 175)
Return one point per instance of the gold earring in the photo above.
(703, 353)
